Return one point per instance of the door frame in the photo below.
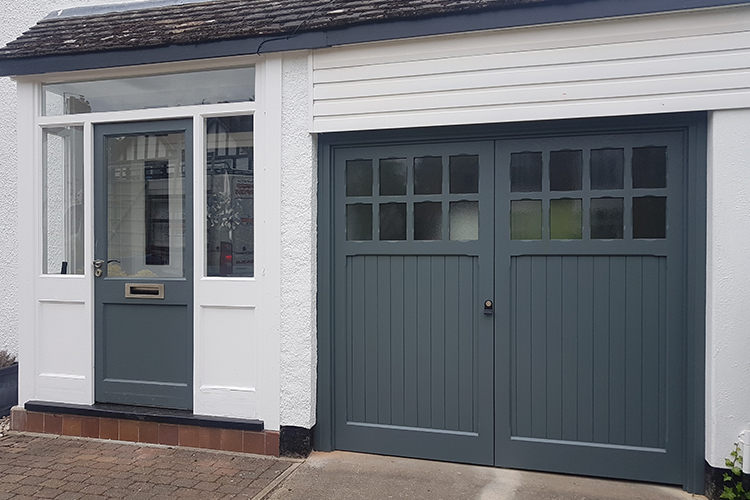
(100, 132)
(694, 128)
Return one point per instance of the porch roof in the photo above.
(173, 30)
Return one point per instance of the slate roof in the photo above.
(209, 21)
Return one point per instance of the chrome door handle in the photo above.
(98, 263)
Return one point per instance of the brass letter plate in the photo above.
(144, 291)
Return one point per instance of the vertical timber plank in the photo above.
(570, 347)
(617, 348)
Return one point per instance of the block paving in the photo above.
(69, 468)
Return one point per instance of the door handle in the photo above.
(488, 307)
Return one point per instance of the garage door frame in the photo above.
(694, 128)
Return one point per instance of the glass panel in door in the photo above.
(146, 205)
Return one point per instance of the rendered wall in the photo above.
(18, 16)
(728, 283)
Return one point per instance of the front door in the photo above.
(143, 264)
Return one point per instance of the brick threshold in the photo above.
(146, 426)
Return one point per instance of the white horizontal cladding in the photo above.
(649, 64)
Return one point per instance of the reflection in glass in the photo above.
(428, 175)
(230, 219)
(650, 167)
(565, 170)
(526, 220)
(606, 218)
(393, 221)
(156, 91)
(463, 220)
(359, 222)
(526, 172)
(464, 174)
(145, 205)
(565, 219)
(428, 221)
(393, 176)
(359, 178)
(650, 217)
(62, 209)
(607, 168)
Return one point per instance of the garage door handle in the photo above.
(488, 307)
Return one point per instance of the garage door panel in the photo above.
(609, 375)
(413, 341)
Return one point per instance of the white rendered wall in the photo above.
(18, 16)
(299, 247)
(728, 283)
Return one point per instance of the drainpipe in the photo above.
(745, 450)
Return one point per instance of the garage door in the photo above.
(513, 302)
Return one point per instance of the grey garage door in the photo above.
(513, 302)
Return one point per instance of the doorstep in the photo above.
(146, 425)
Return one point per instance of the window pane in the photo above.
(565, 170)
(428, 175)
(464, 174)
(393, 177)
(393, 221)
(359, 178)
(606, 218)
(229, 196)
(650, 217)
(62, 210)
(145, 205)
(143, 92)
(359, 222)
(428, 221)
(526, 220)
(607, 168)
(565, 219)
(650, 167)
(525, 172)
(463, 219)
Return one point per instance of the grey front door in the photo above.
(413, 268)
(143, 260)
(590, 339)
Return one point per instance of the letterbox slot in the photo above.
(144, 291)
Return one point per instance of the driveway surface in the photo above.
(63, 468)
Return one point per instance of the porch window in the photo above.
(62, 195)
(144, 92)
(229, 196)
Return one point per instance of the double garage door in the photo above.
(515, 302)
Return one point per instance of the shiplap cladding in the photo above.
(412, 341)
(688, 61)
(589, 349)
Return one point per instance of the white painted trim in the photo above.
(225, 388)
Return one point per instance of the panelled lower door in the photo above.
(143, 252)
(589, 337)
(414, 266)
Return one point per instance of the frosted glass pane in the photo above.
(428, 221)
(565, 170)
(428, 175)
(359, 222)
(463, 219)
(565, 219)
(606, 218)
(650, 217)
(359, 178)
(62, 216)
(607, 168)
(393, 177)
(526, 220)
(230, 193)
(526, 172)
(464, 174)
(650, 167)
(393, 221)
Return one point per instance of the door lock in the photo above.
(488, 307)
